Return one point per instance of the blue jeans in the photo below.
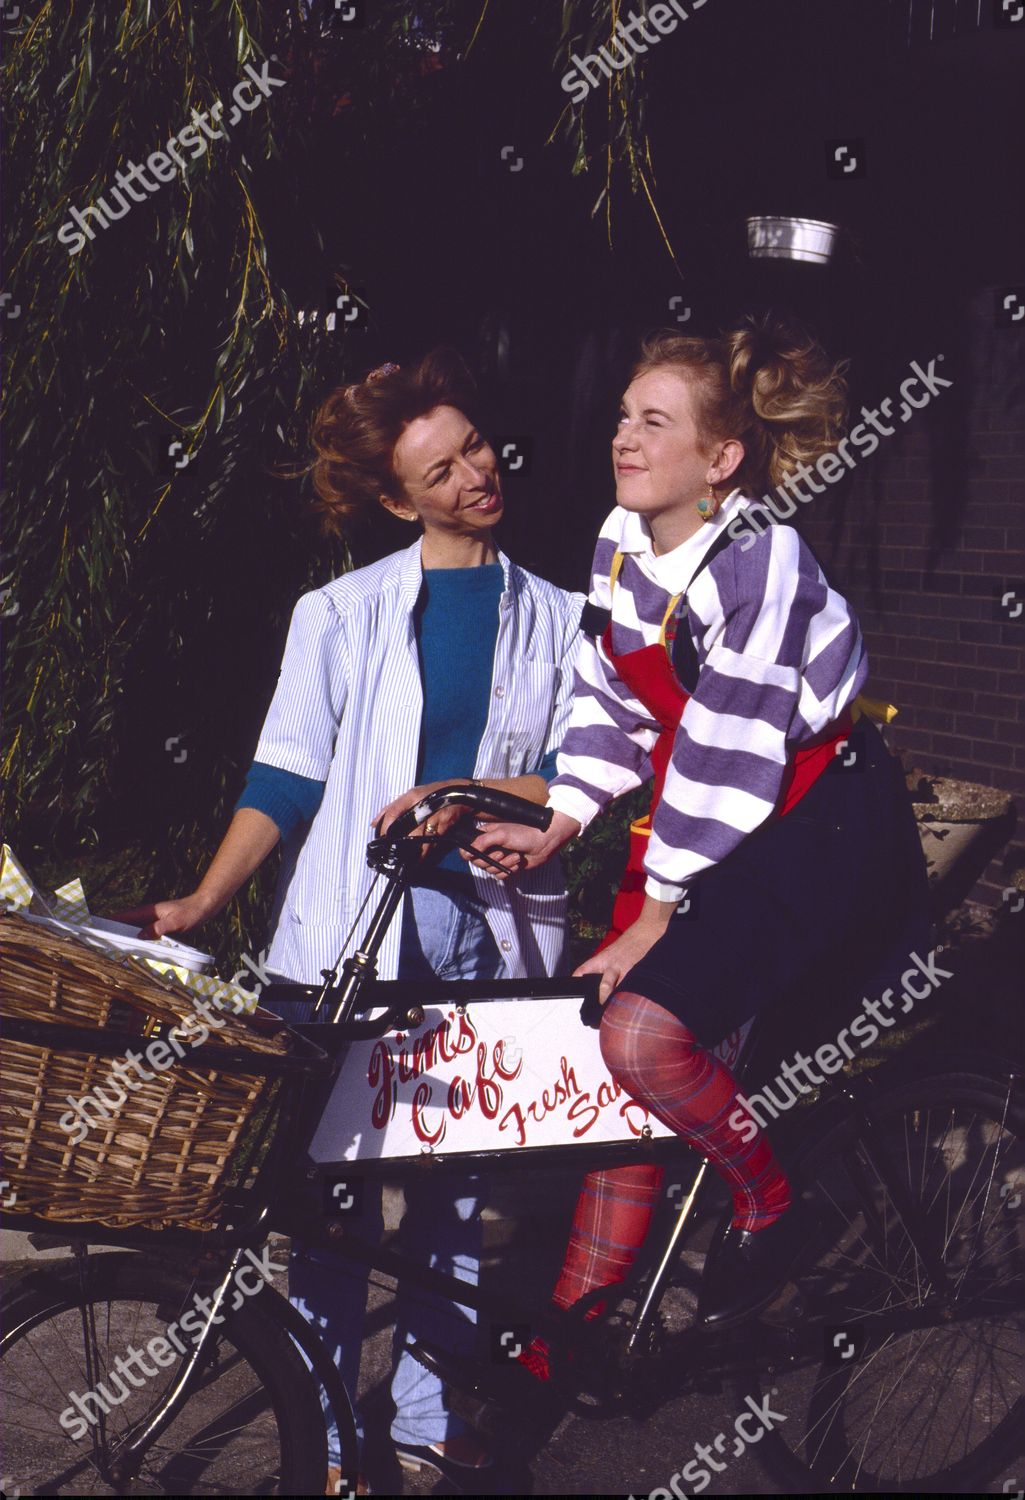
(444, 934)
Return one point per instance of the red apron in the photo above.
(649, 675)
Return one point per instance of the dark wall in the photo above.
(453, 245)
(942, 597)
(743, 101)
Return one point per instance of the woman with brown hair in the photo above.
(780, 835)
(444, 662)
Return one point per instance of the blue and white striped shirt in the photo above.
(347, 710)
(780, 656)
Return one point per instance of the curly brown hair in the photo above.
(357, 427)
(768, 384)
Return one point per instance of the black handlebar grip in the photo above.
(510, 809)
(502, 805)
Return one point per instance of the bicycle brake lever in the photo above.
(477, 854)
(380, 850)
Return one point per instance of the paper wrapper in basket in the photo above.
(68, 908)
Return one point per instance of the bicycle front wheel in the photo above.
(71, 1388)
(889, 1385)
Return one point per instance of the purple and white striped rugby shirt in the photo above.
(780, 656)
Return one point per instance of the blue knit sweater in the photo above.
(456, 624)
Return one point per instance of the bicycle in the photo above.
(915, 1171)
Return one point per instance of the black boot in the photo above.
(748, 1268)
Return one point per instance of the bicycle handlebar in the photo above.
(385, 856)
(502, 805)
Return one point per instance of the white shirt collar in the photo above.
(673, 570)
(410, 573)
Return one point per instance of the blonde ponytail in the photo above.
(792, 388)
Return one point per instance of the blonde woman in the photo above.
(780, 836)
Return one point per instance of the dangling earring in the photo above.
(708, 506)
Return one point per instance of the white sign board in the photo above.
(497, 1075)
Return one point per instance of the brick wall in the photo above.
(929, 535)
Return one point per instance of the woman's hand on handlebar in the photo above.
(165, 918)
(439, 822)
(517, 848)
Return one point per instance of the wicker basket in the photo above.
(156, 1152)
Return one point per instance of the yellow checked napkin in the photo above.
(69, 905)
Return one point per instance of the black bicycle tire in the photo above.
(980, 1090)
(35, 1298)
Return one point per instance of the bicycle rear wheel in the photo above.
(884, 1387)
(253, 1426)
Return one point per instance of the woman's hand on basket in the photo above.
(615, 962)
(516, 847)
(164, 918)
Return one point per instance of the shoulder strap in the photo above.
(681, 649)
(720, 544)
(677, 605)
(594, 620)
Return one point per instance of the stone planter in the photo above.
(962, 827)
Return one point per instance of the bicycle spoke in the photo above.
(226, 1438)
(911, 1358)
(937, 1378)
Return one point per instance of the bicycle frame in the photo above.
(276, 1201)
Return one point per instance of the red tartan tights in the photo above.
(661, 1065)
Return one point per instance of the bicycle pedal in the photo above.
(472, 1380)
(789, 1307)
(486, 1416)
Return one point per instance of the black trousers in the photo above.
(839, 883)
